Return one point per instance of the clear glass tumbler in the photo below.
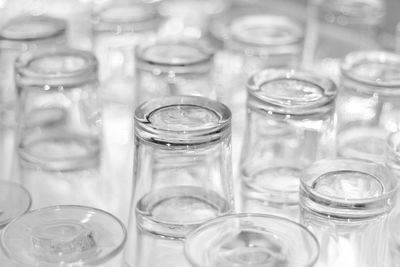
(19, 34)
(59, 139)
(65, 236)
(368, 103)
(339, 27)
(346, 203)
(14, 201)
(291, 123)
(167, 67)
(256, 240)
(182, 172)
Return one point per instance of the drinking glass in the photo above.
(368, 103)
(65, 236)
(182, 172)
(19, 34)
(346, 203)
(244, 240)
(339, 27)
(59, 139)
(14, 201)
(291, 123)
(167, 67)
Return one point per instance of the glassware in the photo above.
(368, 103)
(182, 172)
(59, 140)
(19, 34)
(339, 27)
(345, 203)
(243, 240)
(65, 236)
(174, 67)
(189, 18)
(14, 201)
(291, 123)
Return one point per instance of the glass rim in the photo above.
(370, 56)
(60, 28)
(22, 211)
(145, 129)
(216, 221)
(96, 262)
(342, 207)
(28, 75)
(326, 87)
(163, 7)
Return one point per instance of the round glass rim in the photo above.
(307, 180)
(368, 56)
(22, 211)
(60, 28)
(199, 45)
(213, 222)
(96, 262)
(87, 73)
(146, 109)
(327, 87)
(163, 7)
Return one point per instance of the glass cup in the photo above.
(19, 34)
(65, 236)
(182, 172)
(291, 123)
(173, 67)
(346, 203)
(59, 139)
(243, 240)
(251, 41)
(14, 201)
(339, 27)
(368, 105)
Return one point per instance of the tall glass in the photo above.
(19, 34)
(291, 123)
(59, 139)
(343, 26)
(14, 201)
(244, 240)
(174, 67)
(368, 103)
(251, 41)
(346, 203)
(65, 236)
(182, 172)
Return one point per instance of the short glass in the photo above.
(290, 124)
(65, 236)
(173, 67)
(339, 27)
(59, 139)
(368, 105)
(346, 203)
(243, 240)
(17, 35)
(182, 173)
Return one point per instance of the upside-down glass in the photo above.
(173, 67)
(189, 18)
(65, 236)
(339, 27)
(59, 139)
(256, 240)
(346, 203)
(368, 104)
(14, 201)
(19, 34)
(182, 172)
(291, 123)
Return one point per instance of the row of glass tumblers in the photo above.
(182, 140)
